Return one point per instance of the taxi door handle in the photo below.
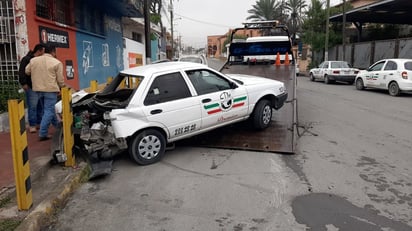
(156, 111)
(206, 100)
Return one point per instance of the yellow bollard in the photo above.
(109, 80)
(20, 153)
(93, 86)
(68, 137)
(122, 85)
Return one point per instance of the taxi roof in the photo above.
(149, 69)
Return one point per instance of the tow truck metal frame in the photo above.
(281, 136)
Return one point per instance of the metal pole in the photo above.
(327, 31)
(171, 26)
(147, 31)
(344, 31)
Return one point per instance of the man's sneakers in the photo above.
(44, 138)
(32, 129)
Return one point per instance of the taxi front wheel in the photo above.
(359, 84)
(147, 147)
(262, 115)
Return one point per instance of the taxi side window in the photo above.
(377, 67)
(391, 66)
(206, 81)
(166, 88)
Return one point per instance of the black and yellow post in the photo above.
(93, 86)
(68, 137)
(18, 136)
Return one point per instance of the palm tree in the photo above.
(265, 10)
(295, 21)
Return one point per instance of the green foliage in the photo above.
(4, 201)
(265, 10)
(314, 27)
(380, 32)
(155, 18)
(9, 90)
(9, 224)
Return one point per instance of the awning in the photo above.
(385, 12)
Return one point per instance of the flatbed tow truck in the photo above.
(101, 145)
(281, 136)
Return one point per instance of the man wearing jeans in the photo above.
(34, 112)
(47, 77)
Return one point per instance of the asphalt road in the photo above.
(351, 172)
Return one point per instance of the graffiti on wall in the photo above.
(87, 56)
(118, 57)
(105, 55)
(21, 27)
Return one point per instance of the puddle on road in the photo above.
(320, 211)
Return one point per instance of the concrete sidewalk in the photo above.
(51, 184)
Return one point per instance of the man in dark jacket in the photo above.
(34, 109)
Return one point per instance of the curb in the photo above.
(42, 214)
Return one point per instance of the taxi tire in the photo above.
(359, 84)
(311, 77)
(327, 80)
(262, 115)
(394, 89)
(147, 147)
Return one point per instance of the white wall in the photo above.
(132, 46)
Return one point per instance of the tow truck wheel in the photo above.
(262, 115)
(147, 147)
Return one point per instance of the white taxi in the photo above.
(145, 108)
(331, 71)
(394, 75)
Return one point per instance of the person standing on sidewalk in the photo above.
(47, 77)
(34, 112)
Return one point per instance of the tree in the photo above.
(295, 20)
(265, 10)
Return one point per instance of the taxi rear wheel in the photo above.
(394, 89)
(327, 80)
(147, 147)
(262, 115)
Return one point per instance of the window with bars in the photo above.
(85, 17)
(88, 18)
(55, 10)
(137, 37)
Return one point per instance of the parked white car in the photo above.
(170, 101)
(394, 75)
(331, 71)
(194, 59)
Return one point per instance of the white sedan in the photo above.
(331, 71)
(394, 75)
(170, 101)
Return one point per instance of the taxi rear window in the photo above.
(408, 66)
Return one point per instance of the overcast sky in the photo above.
(194, 20)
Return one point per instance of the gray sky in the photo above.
(194, 20)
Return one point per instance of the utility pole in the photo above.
(171, 27)
(147, 31)
(344, 30)
(327, 31)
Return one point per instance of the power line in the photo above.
(203, 22)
